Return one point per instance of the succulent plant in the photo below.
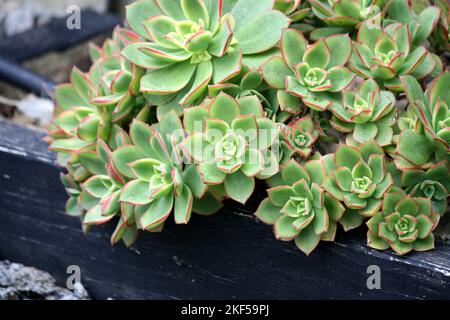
(282, 151)
(141, 180)
(94, 186)
(312, 74)
(410, 135)
(91, 103)
(358, 177)
(404, 224)
(386, 54)
(342, 16)
(366, 115)
(440, 36)
(433, 184)
(432, 108)
(192, 43)
(420, 25)
(229, 140)
(100, 198)
(301, 135)
(159, 183)
(299, 208)
(425, 142)
(193, 100)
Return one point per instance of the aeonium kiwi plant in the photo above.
(341, 109)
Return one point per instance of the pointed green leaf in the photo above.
(195, 10)
(307, 240)
(351, 220)
(275, 72)
(340, 47)
(294, 172)
(402, 248)
(94, 216)
(138, 12)
(424, 244)
(321, 220)
(269, 25)
(134, 53)
(239, 187)
(123, 156)
(253, 163)
(168, 80)
(280, 195)
(425, 226)
(347, 156)
(210, 174)
(414, 147)
(158, 211)
(284, 229)
(340, 77)
(343, 178)
(136, 192)
(251, 105)
(317, 55)
(193, 119)
(227, 66)
(267, 212)
(224, 107)
(183, 206)
(98, 186)
(427, 19)
(244, 10)
(202, 78)
(158, 27)
(293, 45)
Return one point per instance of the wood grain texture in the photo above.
(227, 256)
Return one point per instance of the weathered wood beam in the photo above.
(227, 256)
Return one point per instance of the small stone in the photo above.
(5, 279)
(9, 294)
(80, 292)
(27, 279)
(18, 282)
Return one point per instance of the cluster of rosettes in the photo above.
(198, 100)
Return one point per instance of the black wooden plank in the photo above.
(55, 36)
(227, 256)
(19, 76)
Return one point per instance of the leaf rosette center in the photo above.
(301, 206)
(315, 79)
(231, 146)
(361, 185)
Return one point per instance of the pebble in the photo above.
(18, 282)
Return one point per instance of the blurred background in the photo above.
(27, 28)
(22, 17)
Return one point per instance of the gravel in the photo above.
(18, 282)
